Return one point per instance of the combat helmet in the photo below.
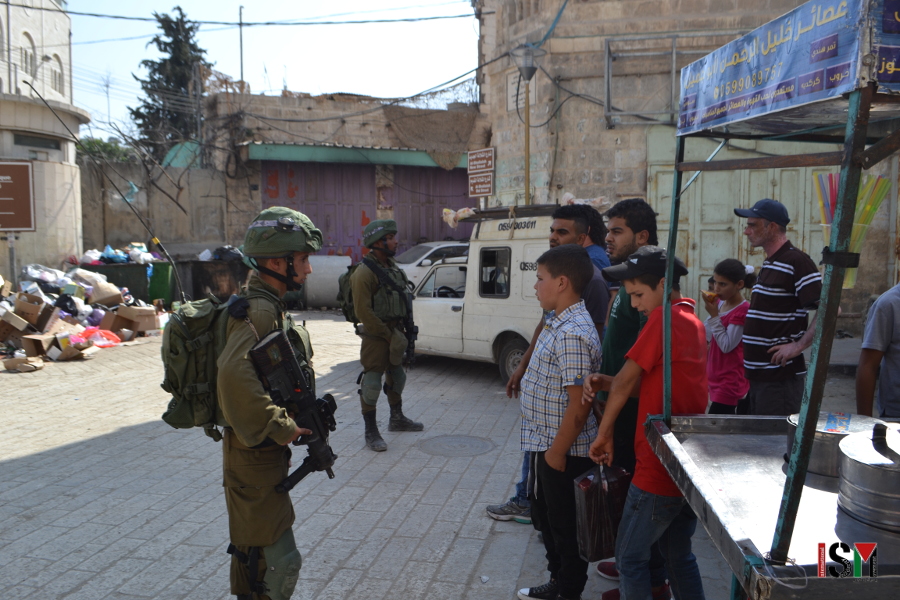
(279, 232)
(377, 229)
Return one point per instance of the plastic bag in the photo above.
(101, 337)
(227, 253)
(40, 273)
(85, 277)
(91, 256)
(599, 501)
(114, 256)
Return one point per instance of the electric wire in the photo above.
(153, 237)
(246, 23)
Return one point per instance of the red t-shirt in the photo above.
(689, 387)
(725, 370)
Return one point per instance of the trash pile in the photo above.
(68, 316)
(134, 252)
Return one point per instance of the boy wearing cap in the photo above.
(557, 428)
(655, 509)
(777, 331)
(381, 309)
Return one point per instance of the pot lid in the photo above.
(879, 447)
(839, 423)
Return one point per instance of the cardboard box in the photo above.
(106, 294)
(37, 345)
(62, 327)
(5, 289)
(14, 320)
(70, 353)
(112, 321)
(73, 289)
(144, 317)
(48, 318)
(29, 307)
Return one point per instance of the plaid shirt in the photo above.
(567, 350)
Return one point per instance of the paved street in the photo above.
(101, 500)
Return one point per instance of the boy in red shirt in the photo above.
(655, 509)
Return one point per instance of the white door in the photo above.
(708, 229)
(438, 310)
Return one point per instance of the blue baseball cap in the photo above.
(767, 209)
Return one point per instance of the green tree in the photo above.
(110, 150)
(169, 113)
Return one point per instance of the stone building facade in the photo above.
(602, 114)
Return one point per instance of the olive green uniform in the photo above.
(254, 459)
(380, 309)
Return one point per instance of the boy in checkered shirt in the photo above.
(557, 429)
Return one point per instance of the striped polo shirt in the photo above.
(789, 285)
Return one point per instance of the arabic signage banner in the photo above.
(887, 42)
(16, 198)
(812, 53)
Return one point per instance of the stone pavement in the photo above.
(101, 500)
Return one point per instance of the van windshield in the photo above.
(413, 254)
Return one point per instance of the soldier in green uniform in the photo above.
(380, 309)
(265, 561)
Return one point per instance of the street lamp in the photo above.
(525, 57)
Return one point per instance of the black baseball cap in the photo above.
(767, 209)
(647, 260)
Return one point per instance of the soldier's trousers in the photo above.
(374, 354)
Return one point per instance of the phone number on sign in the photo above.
(756, 79)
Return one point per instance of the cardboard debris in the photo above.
(71, 353)
(113, 321)
(5, 288)
(29, 307)
(73, 289)
(47, 319)
(144, 317)
(37, 345)
(12, 326)
(106, 294)
(23, 365)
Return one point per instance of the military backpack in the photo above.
(192, 342)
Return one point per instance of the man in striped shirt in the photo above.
(777, 330)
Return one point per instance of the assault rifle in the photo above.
(286, 383)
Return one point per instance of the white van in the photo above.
(483, 306)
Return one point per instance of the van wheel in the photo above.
(510, 357)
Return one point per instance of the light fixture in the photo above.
(526, 58)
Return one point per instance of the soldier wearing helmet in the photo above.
(265, 561)
(380, 309)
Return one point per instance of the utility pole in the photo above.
(241, 34)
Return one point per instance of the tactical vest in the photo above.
(387, 303)
(297, 335)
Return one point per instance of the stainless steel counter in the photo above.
(732, 471)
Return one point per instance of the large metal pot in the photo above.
(831, 428)
(870, 477)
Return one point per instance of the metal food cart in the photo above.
(828, 71)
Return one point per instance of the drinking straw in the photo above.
(826, 185)
(864, 197)
(818, 185)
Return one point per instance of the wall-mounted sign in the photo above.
(481, 161)
(16, 197)
(481, 184)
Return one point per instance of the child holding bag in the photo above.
(724, 329)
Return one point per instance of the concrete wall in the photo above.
(108, 219)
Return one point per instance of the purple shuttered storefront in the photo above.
(342, 198)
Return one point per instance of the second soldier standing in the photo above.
(378, 287)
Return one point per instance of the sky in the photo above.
(376, 59)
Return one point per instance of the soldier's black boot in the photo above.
(374, 441)
(400, 422)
